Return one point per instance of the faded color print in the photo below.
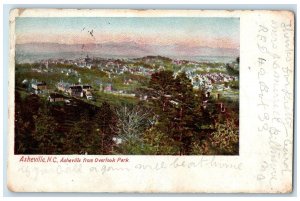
(127, 85)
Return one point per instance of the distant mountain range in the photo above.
(110, 49)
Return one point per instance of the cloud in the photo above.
(130, 49)
(142, 39)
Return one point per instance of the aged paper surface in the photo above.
(265, 153)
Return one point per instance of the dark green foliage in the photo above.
(25, 112)
(157, 143)
(81, 139)
(231, 70)
(174, 120)
(45, 133)
(105, 120)
(42, 128)
(223, 141)
(179, 111)
(234, 84)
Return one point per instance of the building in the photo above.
(63, 86)
(108, 88)
(75, 91)
(55, 97)
(88, 59)
(88, 95)
(86, 88)
(88, 62)
(87, 91)
(38, 87)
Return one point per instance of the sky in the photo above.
(184, 31)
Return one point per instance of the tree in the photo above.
(175, 104)
(105, 121)
(25, 110)
(80, 139)
(184, 118)
(161, 86)
(232, 70)
(225, 140)
(131, 124)
(45, 132)
(161, 89)
(156, 142)
(23, 138)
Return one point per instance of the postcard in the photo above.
(161, 101)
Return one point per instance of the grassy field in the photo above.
(113, 99)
